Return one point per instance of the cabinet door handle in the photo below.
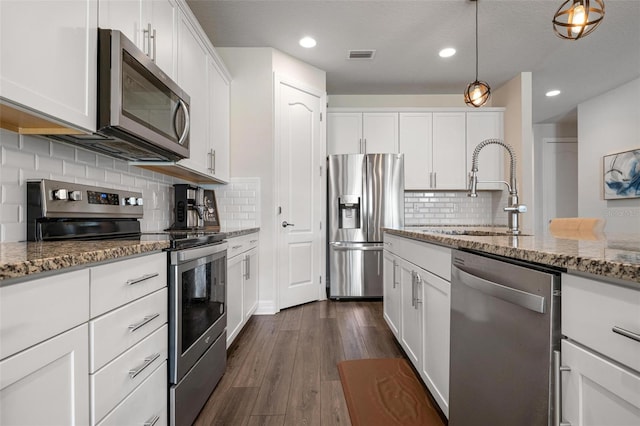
(253, 241)
(213, 155)
(146, 40)
(413, 289)
(418, 281)
(394, 273)
(626, 333)
(430, 179)
(365, 146)
(142, 278)
(360, 140)
(557, 390)
(146, 320)
(248, 267)
(153, 36)
(147, 362)
(435, 179)
(152, 421)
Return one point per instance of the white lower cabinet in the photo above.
(597, 391)
(417, 280)
(82, 347)
(47, 383)
(601, 321)
(391, 292)
(242, 283)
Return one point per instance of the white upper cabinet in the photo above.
(484, 125)
(362, 133)
(380, 132)
(150, 24)
(192, 78)
(449, 150)
(48, 59)
(433, 145)
(344, 133)
(219, 112)
(416, 143)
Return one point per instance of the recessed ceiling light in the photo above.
(307, 42)
(447, 52)
(552, 93)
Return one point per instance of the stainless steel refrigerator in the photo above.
(366, 194)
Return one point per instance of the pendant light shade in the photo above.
(578, 18)
(478, 92)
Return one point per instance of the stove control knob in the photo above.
(60, 194)
(75, 196)
(139, 201)
(130, 201)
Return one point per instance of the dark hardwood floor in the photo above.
(281, 370)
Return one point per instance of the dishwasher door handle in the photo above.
(529, 301)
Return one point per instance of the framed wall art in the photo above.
(622, 175)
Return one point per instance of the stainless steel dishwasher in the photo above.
(505, 325)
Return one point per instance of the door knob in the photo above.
(285, 224)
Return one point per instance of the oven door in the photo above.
(197, 304)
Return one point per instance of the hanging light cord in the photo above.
(476, 1)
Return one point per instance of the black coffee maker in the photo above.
(195, 208)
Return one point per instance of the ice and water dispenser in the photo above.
(349, 212)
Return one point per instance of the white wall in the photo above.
(516, 97)
(608, 124)
(253, 140)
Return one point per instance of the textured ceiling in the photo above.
(514, 36)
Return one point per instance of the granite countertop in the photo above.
(26, 258)
(20, 259)
(613, 256)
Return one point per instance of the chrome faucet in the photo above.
(514, 208)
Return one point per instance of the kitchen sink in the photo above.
(471, 232)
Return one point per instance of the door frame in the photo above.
(545, 177)
(280, 79)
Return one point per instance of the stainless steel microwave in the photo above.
(143, 115)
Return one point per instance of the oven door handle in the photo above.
(198, 252)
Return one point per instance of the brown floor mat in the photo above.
(385, 392)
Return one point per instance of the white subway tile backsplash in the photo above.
(238, 202)
(450, 208)
(25, 158)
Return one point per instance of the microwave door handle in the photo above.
(187, 120)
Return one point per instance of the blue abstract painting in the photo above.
(622, 175)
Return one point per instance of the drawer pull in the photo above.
(147, 362)
(626, 333)
(146, 320)
(235, 247)
(253, 241)
(142, 278)
(152, 421)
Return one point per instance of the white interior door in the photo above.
(560, 181)
(300, 169)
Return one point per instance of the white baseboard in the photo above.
(266, 307)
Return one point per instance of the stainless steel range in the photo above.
(197, 271)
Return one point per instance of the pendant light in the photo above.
(578, 18)
(478, 92)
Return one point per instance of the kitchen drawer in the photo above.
(435, 259)
(144, 404)
(35, 310)
(115, 332)
(117, 283)
(590, 311)
(117, 379)
(241, 244)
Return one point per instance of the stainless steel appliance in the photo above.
(505, 325)
(142, 114)
(197, 322)
(197, 271)
(195, 208)
(366, 193)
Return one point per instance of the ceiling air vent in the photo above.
(362, 54)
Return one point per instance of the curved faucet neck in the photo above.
(512, 158)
